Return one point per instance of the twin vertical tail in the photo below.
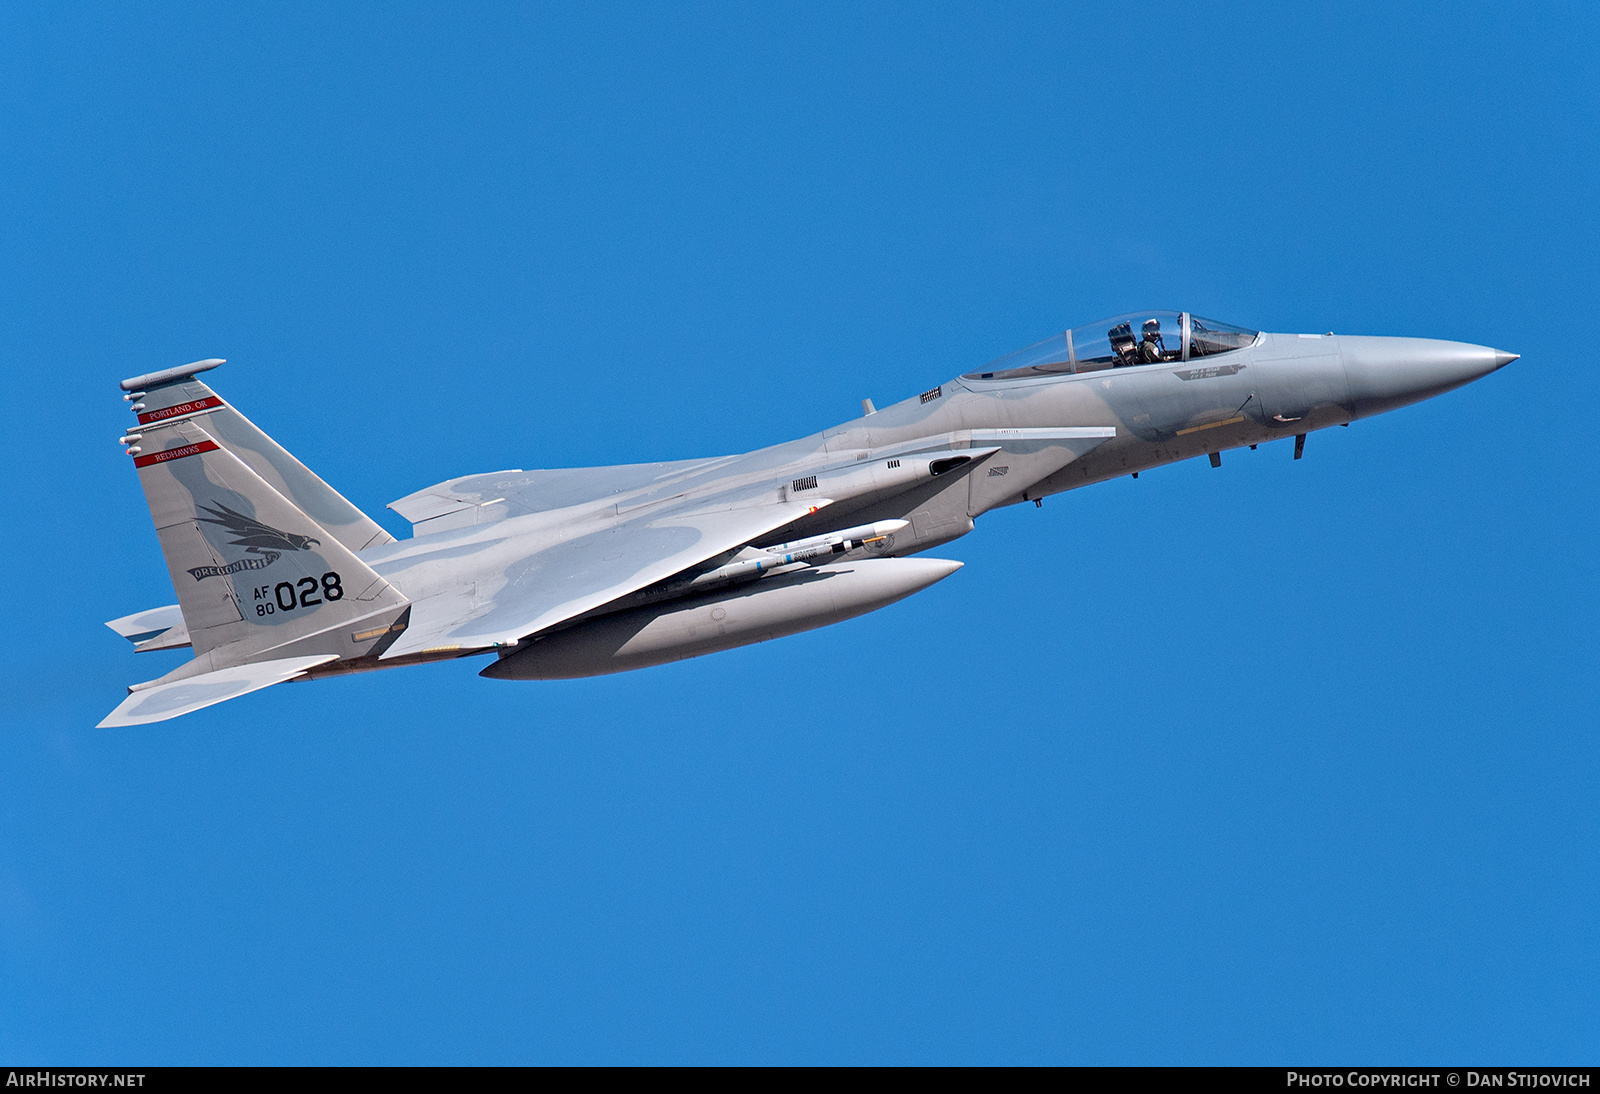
(266, 592)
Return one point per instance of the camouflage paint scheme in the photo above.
(582, 571)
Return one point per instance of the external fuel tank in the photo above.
(772, 607)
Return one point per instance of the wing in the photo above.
(656, 529)
(578, 575)
(479, 499)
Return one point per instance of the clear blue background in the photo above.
(1286, 762)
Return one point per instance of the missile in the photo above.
(837, 543)
(754, 562)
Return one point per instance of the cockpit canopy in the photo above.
(1140, 338)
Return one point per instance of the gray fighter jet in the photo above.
(584, 571)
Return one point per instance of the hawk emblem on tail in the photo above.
(261, 540)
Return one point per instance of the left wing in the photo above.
(580, 574)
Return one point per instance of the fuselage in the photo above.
(1146, 414)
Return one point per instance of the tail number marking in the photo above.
(285, 597)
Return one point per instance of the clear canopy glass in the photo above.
(1208, 337)
(1124, 341)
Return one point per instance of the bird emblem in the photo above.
(252, 535)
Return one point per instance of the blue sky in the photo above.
(1286, 762)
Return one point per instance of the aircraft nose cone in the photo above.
(1385, 373)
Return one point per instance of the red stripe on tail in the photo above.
(175, 453)
(210, 402)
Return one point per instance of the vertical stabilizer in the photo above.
(164, 398)
(255, 575)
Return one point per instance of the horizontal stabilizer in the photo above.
(175, 639)
(143, 629)
(158, 702)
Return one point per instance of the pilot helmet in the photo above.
(1152, 326)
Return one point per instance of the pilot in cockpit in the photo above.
(1152, 348)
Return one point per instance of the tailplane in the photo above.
(157, 701)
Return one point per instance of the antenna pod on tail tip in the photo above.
(166, 376)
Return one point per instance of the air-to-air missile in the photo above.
(586, 571)
(753, 562)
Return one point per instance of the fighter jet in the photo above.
(583, 571)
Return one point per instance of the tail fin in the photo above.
(162, 398)
(255, 576)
